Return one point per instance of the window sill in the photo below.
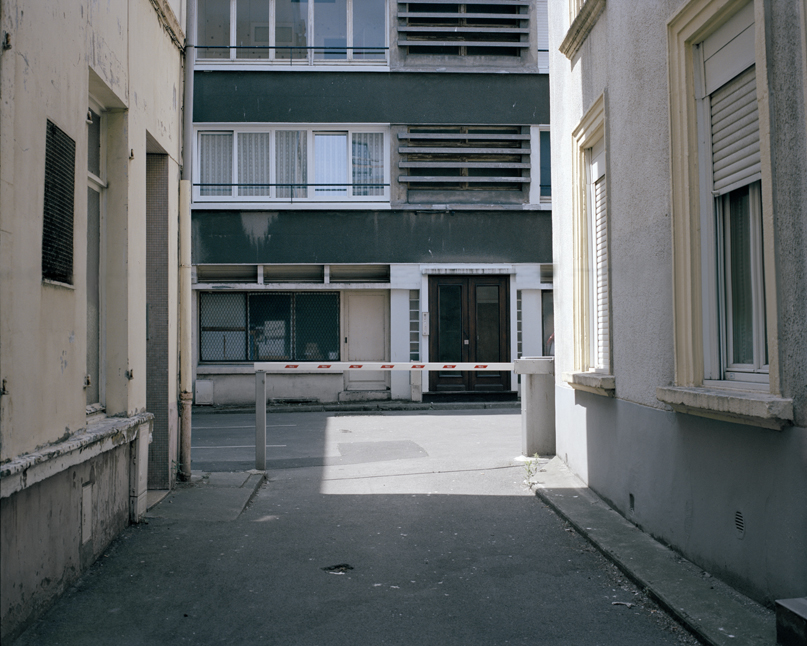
(581, 27)
(742, 407)
(592, 382)
(56, 283)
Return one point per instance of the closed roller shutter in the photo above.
(603, 361)
(735, 133)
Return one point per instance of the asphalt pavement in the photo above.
(411, 527)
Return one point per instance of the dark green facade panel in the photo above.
(233, 237)
(371, 97)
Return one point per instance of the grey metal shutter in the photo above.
(603, 360)
(60, 187)
(735, 133)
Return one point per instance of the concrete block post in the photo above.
(537, 405)
(260, 420)
(139, 473)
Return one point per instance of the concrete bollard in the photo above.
(537, 404)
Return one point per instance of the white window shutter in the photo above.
(735, 133)
(602, 327)
(253, 164)
(216, 163)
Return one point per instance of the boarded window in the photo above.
(57, 233)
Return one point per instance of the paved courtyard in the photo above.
(395, 528)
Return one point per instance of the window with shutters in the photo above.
(592, 296)
(293, 163)
(723, 246)
(60, 189)
(735, 331)
(599, 307)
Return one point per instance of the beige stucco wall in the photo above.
(61, 52)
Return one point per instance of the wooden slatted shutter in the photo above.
(602, 323)
(735, 133)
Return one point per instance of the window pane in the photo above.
(330, 164)
(216, 163)
(739, 270)
(369, 27)
(330, 29)
(253, 163)
(93, 294)
(487, 323)
(94, 145)
(252, 28)
(270, 327)
(546, 165)
(548, 314)
(368, 163)
(450, 326)
(291, 28)
(316, 327)
(291, 163)
(222, 322)
(214, 29)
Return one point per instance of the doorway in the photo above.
(469, 321)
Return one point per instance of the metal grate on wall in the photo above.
(269, 326)
(519, 345)
(414, 325)
(470, 28)
(60, 187)
(465, 158)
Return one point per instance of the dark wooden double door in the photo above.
(469, 322)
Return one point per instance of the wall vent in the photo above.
(470, 28)
(739, 524)
(465, 158)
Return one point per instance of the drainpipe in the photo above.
(185, 343)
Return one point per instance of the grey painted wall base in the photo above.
(729, 497)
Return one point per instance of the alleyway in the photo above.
(435, 539)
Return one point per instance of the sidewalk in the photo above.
(716, 613)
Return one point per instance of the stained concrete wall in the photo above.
(689, 475)
(46, 551)
(60, 54)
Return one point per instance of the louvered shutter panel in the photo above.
(602, 331)
(735, 133)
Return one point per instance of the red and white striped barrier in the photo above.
(340, 366)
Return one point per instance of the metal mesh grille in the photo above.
(57, 233)
(269, 326)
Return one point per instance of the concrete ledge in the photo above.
(592, 382)
(752, 408)
(26, 470)
(715, 613)
(791, 622)
(581, 27)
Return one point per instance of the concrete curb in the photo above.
(210, 497)
(716, 615)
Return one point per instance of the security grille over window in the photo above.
(465, 158)
(475, 28)
(269, 326)
(60, 188)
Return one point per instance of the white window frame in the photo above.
(99, 184)
(311, 62)
(381, 201)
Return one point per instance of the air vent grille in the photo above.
(475, 28)
(465, 157)
(739, 524)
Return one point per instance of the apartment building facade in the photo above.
(370, 182)
(90, 152)
(680, 159)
